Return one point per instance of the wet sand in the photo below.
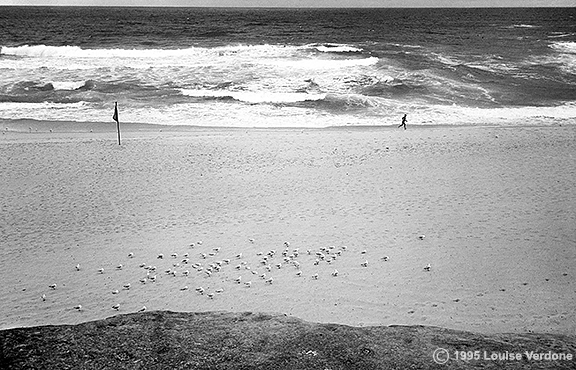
(496, 207)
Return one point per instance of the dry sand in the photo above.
(497, 207)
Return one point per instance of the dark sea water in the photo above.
(289, 67)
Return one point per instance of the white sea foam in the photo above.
(564, 47)
(256, 97)
(68, 85)
(336, 48)
(317, 63)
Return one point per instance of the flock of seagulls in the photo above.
(204, 265)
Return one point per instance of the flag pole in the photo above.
(115, 118)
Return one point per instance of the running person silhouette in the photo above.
(404, 120)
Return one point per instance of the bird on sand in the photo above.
(210, 295)
(335, 273)
(115, 291)
(78, 267)
(43, 297)
(101, 270)
(78, 307)
(116, 306)
(142, 309)
(52, 286)
(130, 255)
(427, 267)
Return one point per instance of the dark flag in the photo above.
(115, 116)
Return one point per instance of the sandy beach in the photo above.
(491, 209)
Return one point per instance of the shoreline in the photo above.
(42, 126)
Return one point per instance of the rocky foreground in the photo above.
(221, 340)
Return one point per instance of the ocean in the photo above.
(244, 67)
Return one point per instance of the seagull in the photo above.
(130, 255)
(299, 273)
(101, 270)
(216, 249)
(115, 291)
(174, 255)
(219, 290)
(78, 267)
(238, 279)
(203, 255)
(226, 261)
(238, 267)
(160, 256)
(344, 247)
(427, 267)
(153, 278)
(142, 265)
(269, 281)
(363, 252)
(199, 242)
(263, 276)
(43, 297)
(364, 264)
(385, 258)
(184, 288)
(142, 309)
(200, 290)
(143, 280)
(279, 265)
(315, 276)
(116, 306)
(317, 261)
(53, 286)
(210, 295)
(268, 268)
(186, 273)
(78, 307)
(126, 286)
(248, 284)
(239, 255)
(186, 255)
(335, 273)
(421, 237)
(251, 240)
(119, 267)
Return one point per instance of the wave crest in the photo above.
(255, 97)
